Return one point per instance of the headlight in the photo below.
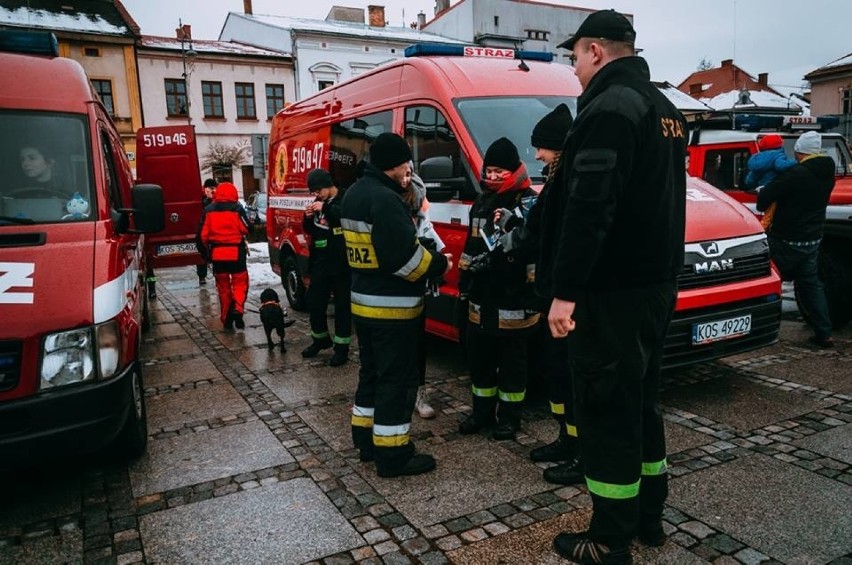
(109, 348)
(68, 358)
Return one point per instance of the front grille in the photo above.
(765, 324)
(741, 259)
(10, 364)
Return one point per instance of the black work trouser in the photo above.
(559, 382)
(387, 389)
(498, 373)
(615, 354)
(319, 293)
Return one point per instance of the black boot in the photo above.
(318, 345)
(506, 429)
(418, 464)
(475, 422)
(341, 355)
(580, 549)
(238, 321)
(651, 532)
(569, 473)
(229, 320)
(560, 450)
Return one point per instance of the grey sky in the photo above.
(786, 38)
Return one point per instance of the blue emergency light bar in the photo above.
(29, 42)
(443, 50)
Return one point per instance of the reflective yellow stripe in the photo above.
(337, 231)
(484, 392)
(572, 430)
(654, 468)
(379, 313)
(390, 441)
(557, 408)
(342, 340)
(357, 237)
(362, 421)
(417, 265)
(512, 396)
(391, 436)
(319, 335)
(612, 491)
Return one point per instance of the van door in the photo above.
(168, 156)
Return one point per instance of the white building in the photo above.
(328, 51)
(519, 24)
(233, 91)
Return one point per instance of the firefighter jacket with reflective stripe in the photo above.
(389, 265)
(501, 295)
(615, 216)
(328, 248)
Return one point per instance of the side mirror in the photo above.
(149, 212)
(436, 173)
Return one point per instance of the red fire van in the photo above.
(720, 157)
(72, 299)
(450, 103)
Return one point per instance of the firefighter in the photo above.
(224, 226)
(389, 272)
(328, 269)
(499, 289)
(612, 247)
(208, 190)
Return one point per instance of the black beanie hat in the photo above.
(319, 179)
(210, 183)
(389, 151)
(502, 153)
(550, 131)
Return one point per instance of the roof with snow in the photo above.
(683, 102)
(760, 100)
(833, 67)
(209, 46)
(401, 34)
(77, 16)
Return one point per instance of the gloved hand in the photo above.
(480, 264)
(505, 216)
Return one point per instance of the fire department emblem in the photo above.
(280, 173)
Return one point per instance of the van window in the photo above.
(726, 169)
(111, 171)
(44, 166)
(486, 120)
(833, 146)
(429, 134)
(350, 143)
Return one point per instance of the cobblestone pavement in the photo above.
(250, 461)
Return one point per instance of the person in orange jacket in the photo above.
(224, 226)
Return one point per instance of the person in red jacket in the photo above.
(224, 226)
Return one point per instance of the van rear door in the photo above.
(168, 156)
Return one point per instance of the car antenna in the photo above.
(522, 65)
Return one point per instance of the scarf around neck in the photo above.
(518, 180)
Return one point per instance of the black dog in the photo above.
(272, 316)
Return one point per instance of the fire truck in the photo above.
(450, 103)
(719, 154)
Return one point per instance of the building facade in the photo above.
(101, 36)
(227, 90)
(831, 92)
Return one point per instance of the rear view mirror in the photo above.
(149, 212)
(436, 173)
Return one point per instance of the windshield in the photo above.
(488, 119)
(832, 145)
(44, 169)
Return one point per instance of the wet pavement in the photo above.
(250, 461)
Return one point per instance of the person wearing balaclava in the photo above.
(499, 292)
(390, 268)
(800, 196)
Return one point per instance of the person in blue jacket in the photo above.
(764, 166)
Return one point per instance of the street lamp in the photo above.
(184, 54)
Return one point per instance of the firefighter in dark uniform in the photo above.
(389, 272)
(328, 268)
(612, 246)
(499, 288)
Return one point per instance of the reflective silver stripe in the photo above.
(838, 213)
(387, 431)
(356, 225)
(412, 263)
(361, 411)
(512, 314)
(386, 301)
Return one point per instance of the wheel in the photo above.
(291, 280)
(133, 437)
(836, 276)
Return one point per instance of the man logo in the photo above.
(711, 249)
(708, 267)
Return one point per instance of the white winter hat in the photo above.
(809, 143)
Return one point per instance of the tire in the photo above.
(836, 276)
(294, 286)
(133, 437)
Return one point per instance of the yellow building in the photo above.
(101, 36)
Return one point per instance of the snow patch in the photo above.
(80, 22)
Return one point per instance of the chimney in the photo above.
(184, 33)
(763, 79)
(247, 7)
(441, 5)
(376, 16)
(728, 63)
(421, 20)
(696, 88)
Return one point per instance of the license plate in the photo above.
(175, 249)
(718, 330)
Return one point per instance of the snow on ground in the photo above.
(260, 272)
